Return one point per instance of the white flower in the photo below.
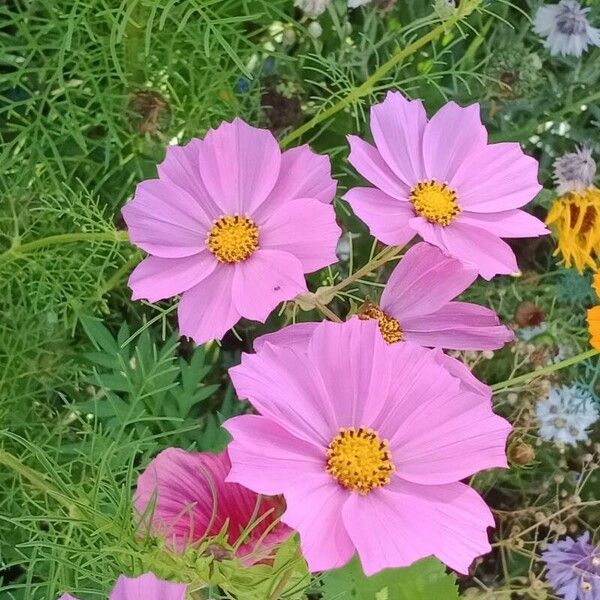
(566, 28)
(312, 8)
(357, 3)
(566, 414)
(575, 171)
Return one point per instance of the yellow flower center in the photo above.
(435, 202)
(359, 459)
(233, 239)
(388, 326)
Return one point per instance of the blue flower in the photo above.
(566, 414)
(574, 171)
(573, 568)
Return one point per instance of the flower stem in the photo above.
(466, 7)
(17, 250)
(498, 387)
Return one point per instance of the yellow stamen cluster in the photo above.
(233, 239)
(575, 220)
(435, 202)
(359, 459)
(388, 326)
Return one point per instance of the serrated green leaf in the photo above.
(424, 580)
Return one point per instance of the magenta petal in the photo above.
(387, 218)
(506, 224)
(294, 336)
(398, 125)
(480, 248)
(448, 438)
(423, 282)
(458, 326)
(386, 530)
(305, 228)
(451, 135)
(187, 498)
(314, 509)
(147, 587)
(157, 278)
(285, 386)
(181, 167)
(496, 178)
(303, 174)
(239, 166)
(367, 160)
(165, 220)
(353, 347)
(206, 311)
(266, 458)
(415, 521)
(264, 280)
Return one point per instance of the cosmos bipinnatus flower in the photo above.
(573, 568)
(566, 28)
(574, 171)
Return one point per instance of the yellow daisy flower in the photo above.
(575, 218)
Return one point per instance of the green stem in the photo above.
(497, 387)
(466, 8)
(18, 250)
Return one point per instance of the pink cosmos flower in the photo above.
(368, 443)
(416, 305)
(442, 180)
(144, 587)
(233, 224)
(186, 495)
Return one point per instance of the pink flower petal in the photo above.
(239, 166)
(468, 381)
(294, 336)
(147, 587)
(407, 522)
(387, 218)
(418, 380)
(266, 458)
(264, 280)
(206, 311)
(496, 178)
(423, 282)
(447, 438)
(285, 386)
(506, 224)
(452, 134)
(367, 160)
(353, 347)
(67, 597)
(314, 509)
(303, 174)
(165, 220)
(181, 167)
(398, 126)
(480, 248)
(305, 228)
(458, 326)
(387, 530)
(157, 278)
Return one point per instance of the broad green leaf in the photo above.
(424, 580)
